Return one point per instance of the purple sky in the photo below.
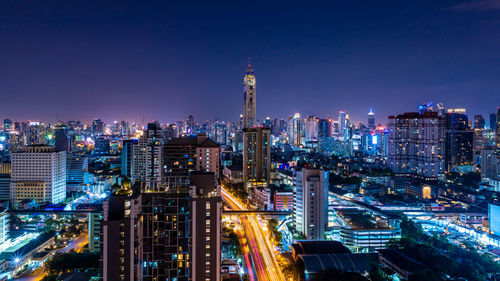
(128, 60)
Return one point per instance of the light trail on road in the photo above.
(262, 251)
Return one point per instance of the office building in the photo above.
(493, 122)
(7, 124)
(324, 128)
(341, 122)
(459, 144)
(311, 203)
(490, 163)
(77, 166)
(311, 129)
(187, 154)
(97, 127)
(371, 120)
(35, 133)
(295, 130)
(127, 157)
(479, 122)
(62, 139)
(147, 158)
(206, 210)
(256, 156)
(39, 173)
(416, 144)
(494, 218)
(250, 102)
(101, 145)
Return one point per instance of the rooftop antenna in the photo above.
(249, 63)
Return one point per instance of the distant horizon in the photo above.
(164, 61)
(260, 120)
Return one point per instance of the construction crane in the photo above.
(446, 230)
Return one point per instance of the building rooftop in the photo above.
(319, 247)
(26, 246)
(199, 141)
(342, 262)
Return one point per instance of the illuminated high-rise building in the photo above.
(311, 128)
(206, 217)
(39, 173)
(341, 122)
(256, 155)
(311, 203)
(295, 130)
(416, 144)
(459, 143)
(187, 154)
(97, 127)
(35, 133)
(147, 157)
(249, 109)
(493, 122)
(7, 124)
(371, 120)
(62, 139)
(479, 122)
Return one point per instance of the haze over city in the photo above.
(188, 58)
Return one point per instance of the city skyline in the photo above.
(135, 146)
(105, 55)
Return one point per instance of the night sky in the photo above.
(163, 61)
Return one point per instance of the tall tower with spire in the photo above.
(371, 119)
(249, 109)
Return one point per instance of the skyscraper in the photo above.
(295, 130)
(121, 236)
(147, 160)
(311, 128)
(256, 155)
(35, 133)
(97, 127)
(479, 122)
(206, 217)
(371, 120)
(127, 157)
(416, 144)
(459, 143)
(324, 128)
(490, 163)
(166, 252)
(249, 108)
(342, 119)
(38, 172)
(493, 122)
(311, 203)
(62, 139)
(7, 124)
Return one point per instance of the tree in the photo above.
(69, 261)
(49, 278)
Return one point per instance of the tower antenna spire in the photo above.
(249, 62)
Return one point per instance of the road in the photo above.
(38, 274)
(261, 249)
